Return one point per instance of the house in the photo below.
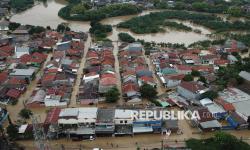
(206, 121)
(191, 90)
(166, 69)
(221, 62)
(123, 122)
(134, 49)
(239, 99)
(4, 25)
(131, 92)
(146, 125)
(54, 100)
(236, 121)
(3, 77)
(226, 106)
(19, 51)
(245, 75)
(171, 81)
(107, 82)
(13, 94)
(37, 99)
(232, 59)
(63, 46)
(3, 12)
(105, 122)
(217, 111)
(208, 59)
(88, 92)
(21, 34)
(147, 80)
(87, 116)
(68, 117)
(27, 74)
(183, 69)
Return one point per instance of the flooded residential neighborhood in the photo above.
(124, 75)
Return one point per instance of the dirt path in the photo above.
(73, 102)
(160, 88)
(117, 70)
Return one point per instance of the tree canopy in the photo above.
(112, 95)
(25, 113)
(154, 22)
(77, 12)
(12, 131)
(220, 141)
(99, 31)
(21, 5)
(148, 91)
(209, 94)
(188, 77)
(125, 37)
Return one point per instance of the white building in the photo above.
(123, 116)
(87, 115)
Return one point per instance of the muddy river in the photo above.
(45, 14)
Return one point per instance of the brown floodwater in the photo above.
(46, 15)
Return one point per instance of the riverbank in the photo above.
(41, 15)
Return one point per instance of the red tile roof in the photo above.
(176, 76)
(221, 62)
(130, 87)
(48, 78)
(16, 81)
(3, 77)
(147, 79)
(92, 54)
(7, 49)
(227, 106)
(108, 79)
(192, 86)
(52, 116)
(202, 68)
(183, 67)
(13, 93)
(205, 115)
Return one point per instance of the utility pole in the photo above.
(41, 141)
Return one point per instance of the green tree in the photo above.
(21, 5)
(195, 73)
(209, 94)
(62, 28)
(200, 6)
(219, 141)
(188, 77)
(78, 9)
(13, 26)
(234, 11)
(112, 95)
(202, 79)
(12, 131)
(148, 91)
(25, 113)
(36, 29)
(125, 37)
